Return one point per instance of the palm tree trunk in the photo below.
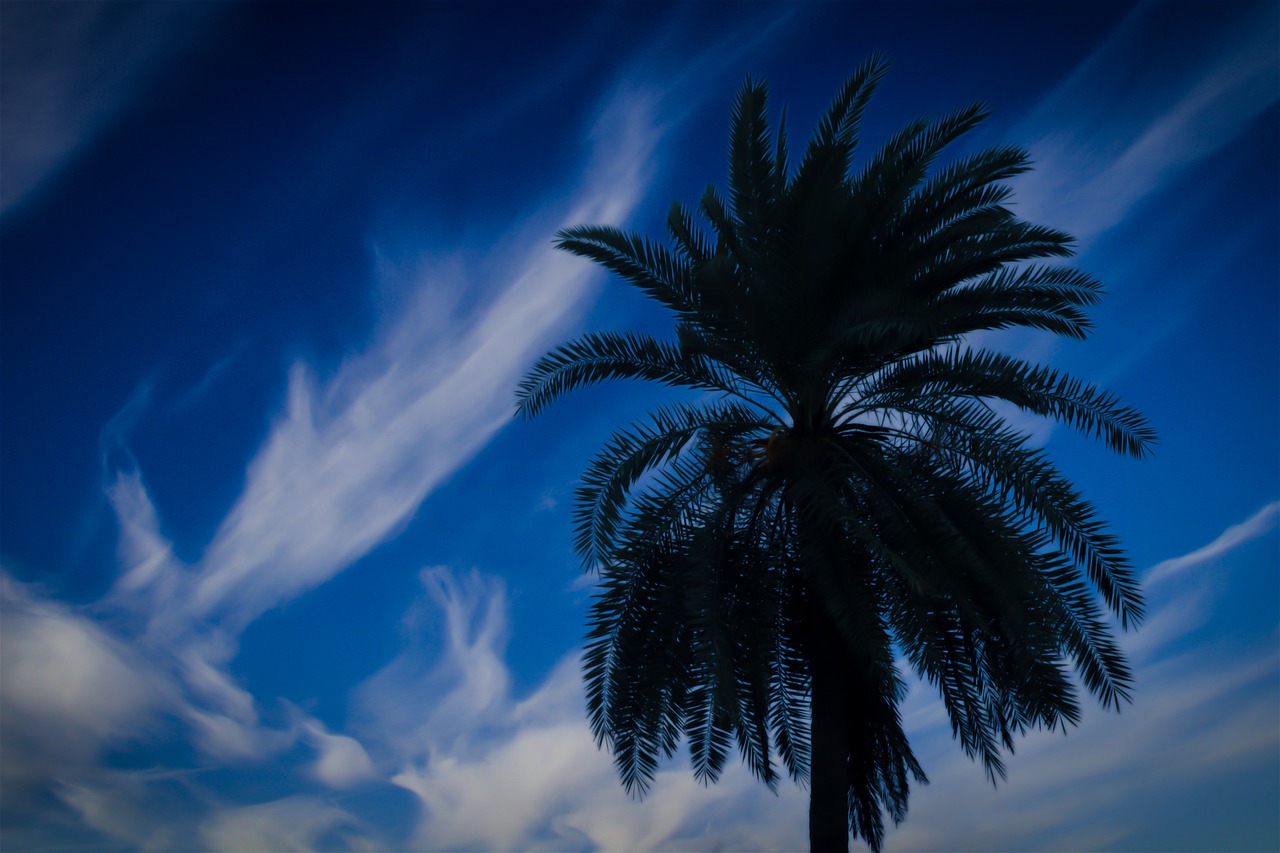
(829, 739)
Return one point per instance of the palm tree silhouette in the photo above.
(840, 502)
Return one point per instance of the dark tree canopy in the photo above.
(841, 502)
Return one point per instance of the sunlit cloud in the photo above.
(420, 702)
(341, 761)
(113, 805)
(146, 556)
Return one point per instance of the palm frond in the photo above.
(752, 171)
(600, 356)
(902, 163)
(635, 260)
(981, 374)
(689, 243)
(830, 151)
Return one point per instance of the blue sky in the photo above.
(278, 568)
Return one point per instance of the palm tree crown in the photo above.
(841, 502)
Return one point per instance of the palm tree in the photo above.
(840, 502)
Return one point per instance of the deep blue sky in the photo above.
(280, 570)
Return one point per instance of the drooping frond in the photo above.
(629, 453)
(1024, 477)
(980, 374)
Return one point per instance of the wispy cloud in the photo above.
(420, 702)
(351, 458)
(1258, 524)
(1132, 118)
(344, 467)
(70, 69)
(293, 823)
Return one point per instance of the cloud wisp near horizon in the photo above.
(137, 713)
(494, 770)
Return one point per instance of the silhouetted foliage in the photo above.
(842, 501)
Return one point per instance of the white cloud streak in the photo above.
(1102, 147)
(351, 459)
(1258, 524)
(343, 469)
